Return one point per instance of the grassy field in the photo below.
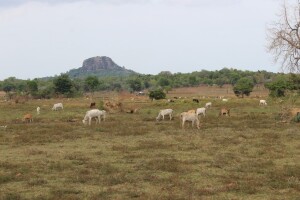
(250, 155)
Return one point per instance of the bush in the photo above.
(157, 94)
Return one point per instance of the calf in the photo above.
(224, 111)
(57, 106)
(201, 111)
(38, 110)
(262, 102)
(27, 118)
(208, 105)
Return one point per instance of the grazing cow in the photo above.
(3, 127)
(195, 100)
(112, 106)
(93, 105)
(224, 111)
(262, 102)
(164, 112)
(130, 110)
(295, 112)
(57, 106)
(38, 110)
(208, 105)
(171, 101)
(192, 117)
(28, 118)
(201, 111)
(95, 113)
(224, 100)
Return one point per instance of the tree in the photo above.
(91, 83)
(63, 84)
(157, 94)
(284, 38)
(244, 86)
(32, 87)
(163, 81)
(278, 86)
(9, 84)
(294, 82)
(193, 80)
(135, 84)
(8, 87)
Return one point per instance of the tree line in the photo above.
(242, 82)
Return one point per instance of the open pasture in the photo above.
(249, 155)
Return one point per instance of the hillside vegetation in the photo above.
(71, 87)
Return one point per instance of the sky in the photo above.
(41, 38)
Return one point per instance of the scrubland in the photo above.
(249, 155)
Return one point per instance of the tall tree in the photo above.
(284, 37)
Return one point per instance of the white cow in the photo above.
(57, 106)
(262, 102)
(164, 112)
(224, 100)
(95, 113)
(192, 117)
(201, 111)
(208, 105)
(38, 110)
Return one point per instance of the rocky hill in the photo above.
(100, 66)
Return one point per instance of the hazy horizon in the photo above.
(49, 37)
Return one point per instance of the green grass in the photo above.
(250, 155)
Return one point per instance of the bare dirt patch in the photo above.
(216, 91)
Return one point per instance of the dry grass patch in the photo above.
(131, 156)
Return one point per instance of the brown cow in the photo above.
(93, 105)
(224, 111)
(28, 118)
(192, 111)
(295, 111)
(195, 100)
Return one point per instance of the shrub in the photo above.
(157, 94)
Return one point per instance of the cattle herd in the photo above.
(188, 116)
